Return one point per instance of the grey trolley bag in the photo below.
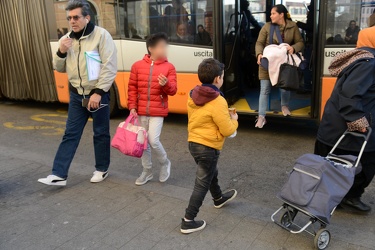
(315, 187)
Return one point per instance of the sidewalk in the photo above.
(116, 214)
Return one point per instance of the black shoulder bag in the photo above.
(290, 76)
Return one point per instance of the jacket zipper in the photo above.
(162, 101)
(149, 89)
(79, 72)
(307, 173)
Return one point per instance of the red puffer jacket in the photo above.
(145, 94)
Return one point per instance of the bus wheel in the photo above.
(113, 106)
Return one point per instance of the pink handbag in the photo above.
(130, 139)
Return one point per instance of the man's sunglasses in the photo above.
(75, 18)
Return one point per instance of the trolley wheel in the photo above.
(287, 218)
(322, 239)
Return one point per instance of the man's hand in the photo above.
(234, 116)
(94, 101)
(162, 80)
(65, 44)
(134, 112)
(260, 56)
(290, 50)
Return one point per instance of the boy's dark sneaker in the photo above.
(188, 227)
(225, 198)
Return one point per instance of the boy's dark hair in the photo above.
(209, 69)
(83, 4)
(154, 39)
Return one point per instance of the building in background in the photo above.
(103, 14)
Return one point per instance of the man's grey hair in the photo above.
(83, 4)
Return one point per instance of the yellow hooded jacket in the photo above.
(209, 119)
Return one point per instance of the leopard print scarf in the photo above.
(343, 60)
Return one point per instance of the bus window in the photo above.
(258, 9)
(298, 10)
(103, 13)
(345, 19)
(61, 22)
(185, 22)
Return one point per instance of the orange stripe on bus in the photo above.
(62, 86)
(177, 103)
(328, 83)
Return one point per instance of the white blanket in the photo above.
(277, 55)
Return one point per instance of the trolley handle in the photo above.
(365, 136)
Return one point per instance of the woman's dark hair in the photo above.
(200, 26)
(281, 9)
(154, 39)
(209, 69)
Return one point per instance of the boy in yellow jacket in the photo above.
(209, 123)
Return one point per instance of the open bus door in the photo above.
(242, 89)
(227, 45)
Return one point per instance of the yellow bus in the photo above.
(131, 21)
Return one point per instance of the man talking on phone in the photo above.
(88, 55)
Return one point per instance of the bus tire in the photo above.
(113, 105)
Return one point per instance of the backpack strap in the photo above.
(275, 28)
(272, 31)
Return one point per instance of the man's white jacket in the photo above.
(94, 39)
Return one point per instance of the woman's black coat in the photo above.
(352, 98)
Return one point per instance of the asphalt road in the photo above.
(256, 162)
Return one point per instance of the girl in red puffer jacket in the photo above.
(151, 81)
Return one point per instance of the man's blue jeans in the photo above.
(265, 90)
(206, 177)
(76, 122)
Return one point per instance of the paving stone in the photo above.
(243, 235)
(116, 214)
(160, 229)
(139, 243)
(273, 234)
(265, 245)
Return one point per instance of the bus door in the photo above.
(226, 47)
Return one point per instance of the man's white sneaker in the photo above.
(53, 180)
(98, 176)
(165, 172)
(144, 178)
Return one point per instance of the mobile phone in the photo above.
(85, 102)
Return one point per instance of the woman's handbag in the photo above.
(290, 76)
(130, 139)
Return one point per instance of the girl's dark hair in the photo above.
(154, 39)
(282, 9)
